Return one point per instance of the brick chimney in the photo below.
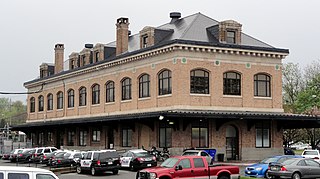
(58, 58)
(122, 35)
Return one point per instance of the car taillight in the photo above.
(59, 161)
(154, 158)
(140, 159)
(98, 162)
(20, 155)
(269, 168)
(44, 157)
(283, 168)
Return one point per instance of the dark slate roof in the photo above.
(188, 30)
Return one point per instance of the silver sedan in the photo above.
(295, 168)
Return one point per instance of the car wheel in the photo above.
(266, 175)
(296, 176)
(115, 172)
(79, 169)
(93, 171)
(223, 177)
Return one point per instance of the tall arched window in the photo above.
(41, 103)
(59, 100)
(126, 89)
(231, 83)
(144, 86)
(82, 96)
(96, 94)
(262, 86)
(164, 82)
(199, 82)
(32, 104)
(50, 102)
(71, 98)
(110, 92)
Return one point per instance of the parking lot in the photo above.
(73, 175)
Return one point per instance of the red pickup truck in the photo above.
(189, 167)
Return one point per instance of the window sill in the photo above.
(126, 101)
(164, 96)
(261, 97)
(110, 103)
(232, 96)
(198, 94)
(82, 107)
(95, 105)
(144, 98)
(60, 109)
(70, 108)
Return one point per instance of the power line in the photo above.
(33, 92)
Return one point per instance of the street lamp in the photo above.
(315, 114)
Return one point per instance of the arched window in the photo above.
(126, 89)
(41, 103)
(164, 82)
(110, 92)
(144, 86)
(50, 102)
(82, 96)
(199, 82)
(96, 94)
(59, 100)
(32, 104)
(262, 86)
(231, 83)
(71, 98)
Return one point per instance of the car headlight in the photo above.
(258, 169)
(153, 175)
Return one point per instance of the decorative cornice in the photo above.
(159, 51)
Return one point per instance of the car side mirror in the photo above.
(178, 167)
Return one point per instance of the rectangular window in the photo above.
(165, 135)
(126, 137)
(96, 135)
(70, 138)
(83, 138)
(18, 176)
(263, 134)
(200, 133)
(49, 139)
(144, 41)
(1, 175)
(231, 37)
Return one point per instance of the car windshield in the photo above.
(310, 153)
(269, 160)
(190, 153)
(60, 154)
(142, 154)
(169, 163)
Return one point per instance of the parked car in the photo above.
(260, 169)
(64, 159)
(40, 151)
(288, 151)
(7, 155)
(137, 159)
(26, 155)
(199, 153)
(99, 161)
(189, 167)
(295, 168)
(300, 146)
(14, 154)
(46, 157)
(7, 172)
(314, 154)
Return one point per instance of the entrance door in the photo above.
(232, 144)
(110, 138)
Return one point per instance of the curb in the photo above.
(63, 170)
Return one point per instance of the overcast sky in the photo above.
(30, 28)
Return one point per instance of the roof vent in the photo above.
(88, 45)
(174, 16)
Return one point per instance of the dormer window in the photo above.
(144, 41)
(97, 56)
(72, 64)
(83, 60)
(231, 37)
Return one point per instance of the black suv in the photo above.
(99, 161)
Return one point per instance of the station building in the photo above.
(192, 82)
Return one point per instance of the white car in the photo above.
(7, 172)
(314, 154)
(199, 153)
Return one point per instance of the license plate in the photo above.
(274, 168)
(149, 165)
(109, 163)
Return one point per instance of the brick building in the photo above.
(193, 82)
